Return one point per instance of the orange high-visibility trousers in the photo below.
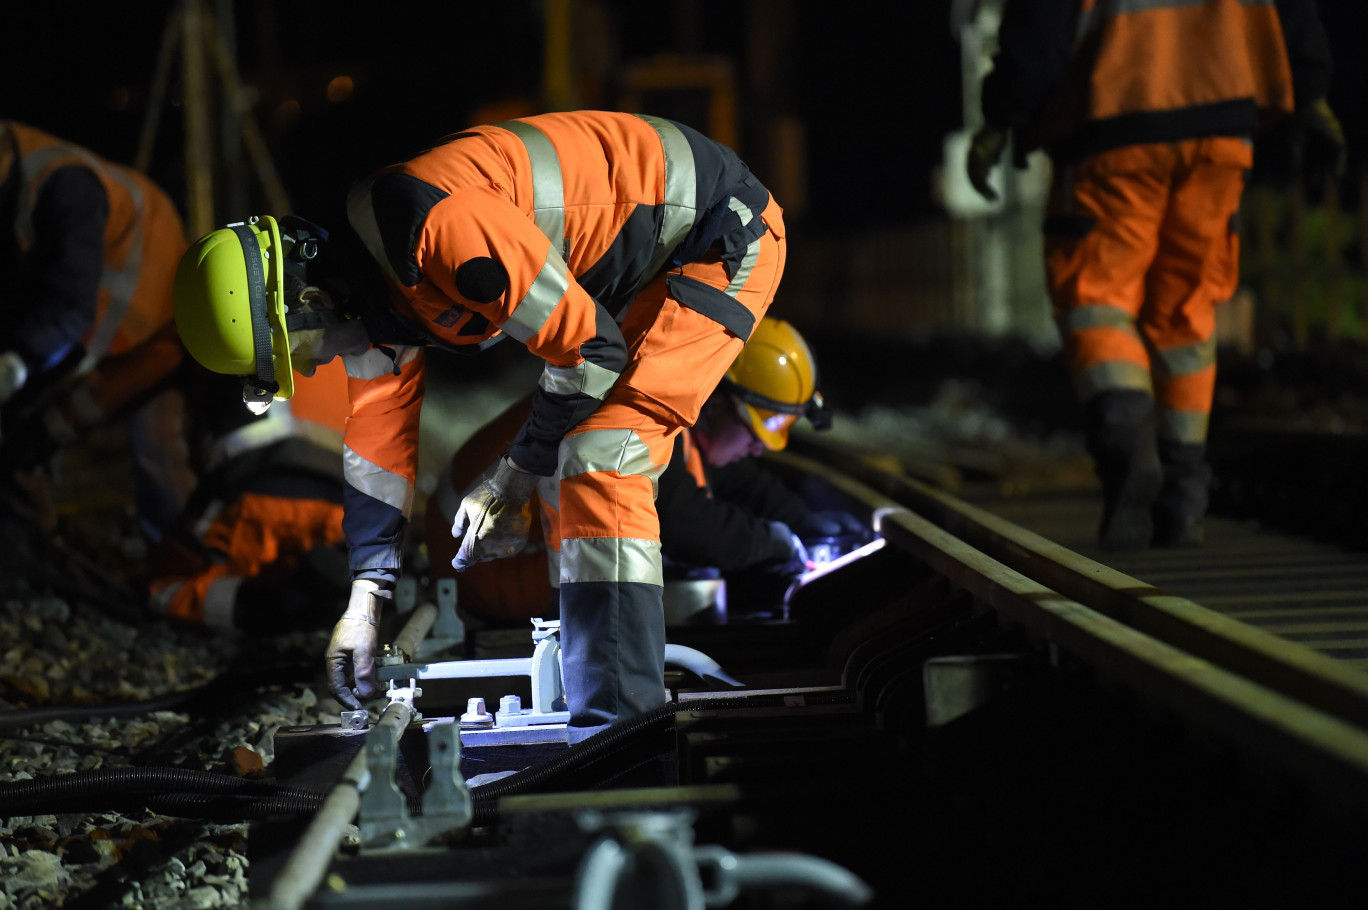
(1140, 249)
(598, 508)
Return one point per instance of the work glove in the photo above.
(1319, 146)
(984, 151)
(788, 554)
(495, 517)
(830, 523)
(354, 643)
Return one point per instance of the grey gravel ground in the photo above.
(57, 654)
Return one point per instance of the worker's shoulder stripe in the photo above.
(548, 181)
(680, 208)
(387, 212)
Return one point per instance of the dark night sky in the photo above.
(876, 84)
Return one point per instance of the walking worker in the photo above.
(630, 253)
(719, 507)
(88, 253)
(1147, 110)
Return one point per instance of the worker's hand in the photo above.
(354, 643)
(984, 151)
(789, 556)
(494, 518)
(1320, 146)
(830, 523)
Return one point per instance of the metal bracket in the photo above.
(543, 667)
(448, 631)
(384, 818)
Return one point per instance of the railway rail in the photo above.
(972, 713)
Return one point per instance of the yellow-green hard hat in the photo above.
(229, 305)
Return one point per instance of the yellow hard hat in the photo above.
(229, 305)
(774, 382)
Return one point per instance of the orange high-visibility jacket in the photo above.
(88, 261)
(1082, 77)
(543, 229)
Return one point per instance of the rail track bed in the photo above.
(983, 711)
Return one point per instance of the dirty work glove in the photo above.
(1319, 146)
(787, 556)
(830, 523)
(354, 642)
(494, 518)
(984, 151)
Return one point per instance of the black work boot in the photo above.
(1182, 500)
(1119, 427)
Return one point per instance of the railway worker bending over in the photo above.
(719, 507)
(632, 254)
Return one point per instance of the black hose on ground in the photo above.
(190, 793)
(90, 790)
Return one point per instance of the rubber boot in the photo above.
(1120, 427)
(1183, 498)
(612, 653)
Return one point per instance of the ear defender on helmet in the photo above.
(773, 382)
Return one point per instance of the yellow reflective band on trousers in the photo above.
(1182, 426)
(612, 559)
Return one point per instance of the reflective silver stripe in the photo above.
(1186, 360)
(1101, 12)
(375, 363)
(376, 482)
(743, 271)
(607, 450)
(586, 379)
(1097, 316)
(612, 559)
(1183, 426)
(361, 214)
(219, 602)
(1114, 374)
(548, 184)
(681, 193)
(541, 299)
(120, 282)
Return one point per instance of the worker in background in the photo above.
(88, 253)
(259, 548)
(630, 253)
(1147, 112)
(718, 506)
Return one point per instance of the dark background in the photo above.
(876, 85)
